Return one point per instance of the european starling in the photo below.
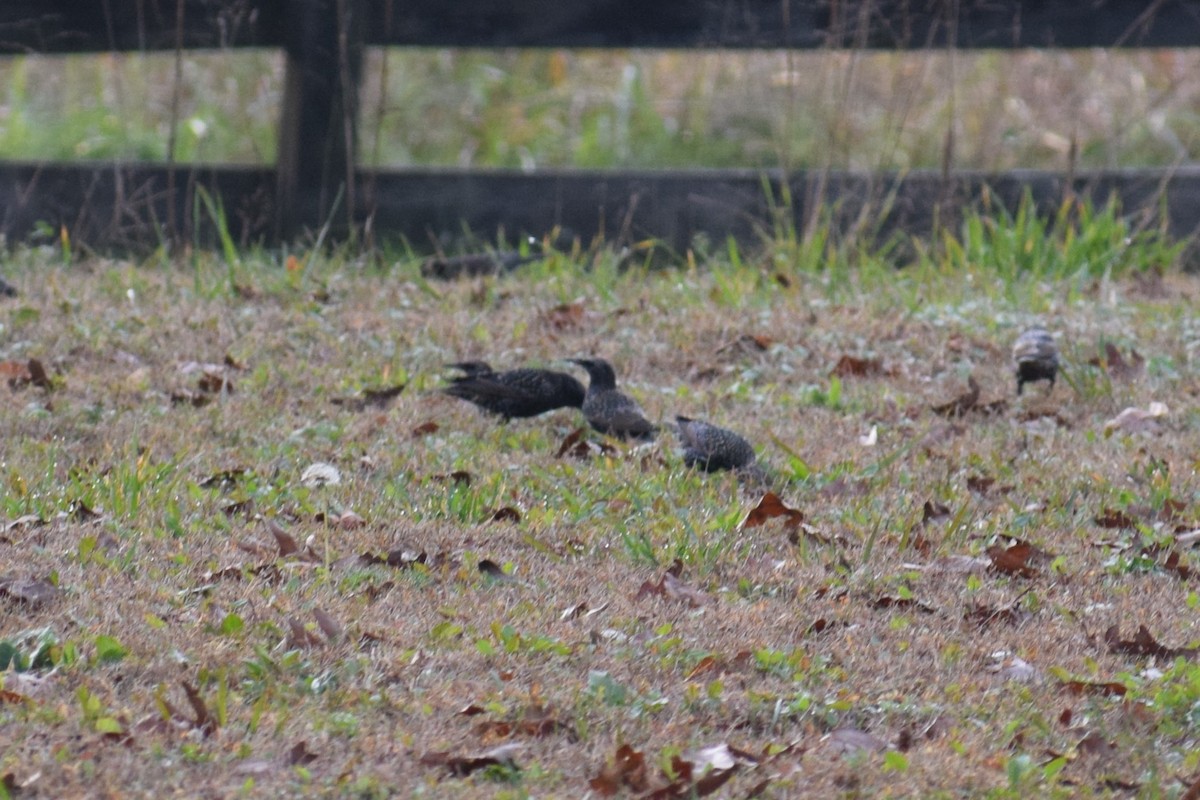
(517, 392)
(1036, 357)
(607, 409)
(474, 265)
(711, 448)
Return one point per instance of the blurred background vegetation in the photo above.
(528, 109)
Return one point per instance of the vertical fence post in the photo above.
(319, 120)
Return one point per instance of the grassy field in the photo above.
(445, 606)
(544, 108)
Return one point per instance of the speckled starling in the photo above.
(609, 410)
(1036, 357)
(516, 392)
(712, 449)
(474, 265)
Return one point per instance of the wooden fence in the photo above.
(314, 180)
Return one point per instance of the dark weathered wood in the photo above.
(859, 24)
(83, 26)
(126, 206)
(323, 40)
(58, 26)
(319, 118)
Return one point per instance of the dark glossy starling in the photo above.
(712, 449)
(607, 409)
(1036, 357)
(516, 392)
(474, 265)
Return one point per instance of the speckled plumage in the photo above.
(711, 448)
(1036, 357)
(607, 409)
(516, 392)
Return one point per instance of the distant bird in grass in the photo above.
(1036, 357)
(607, 409)
(7, 289)
(515, 392)
(713, 449)
(473, 265)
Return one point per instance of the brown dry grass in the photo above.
(370, 705)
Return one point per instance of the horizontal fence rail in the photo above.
(315, 183)
(73, 26)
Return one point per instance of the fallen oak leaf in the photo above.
(1115, 365)
(461, 766)
(332, 629)
(892, 601)
(494, 571)
(771, 507)
(505, 514)
(960, 405)
(458, 476)
(424, 429)
(1114, 518)
(205, 722)
(285, 541)
(300, 637)
(1143, 643)
(627, 769)
(1102, 688)
(933, 512)
(564, 316)
(578, 446)
(853, 367)
(300, 755)
(1137, 420)
(1015, 560)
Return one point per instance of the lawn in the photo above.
(234, 565)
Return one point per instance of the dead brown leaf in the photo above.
(458, 476)
(853, 367)
(669, 586)
(1143, 644)
(462, 765)
(300, 637)
(626, 770)
(894, 601)
(505, 514)
(577, 445)
(286, 542)
(1101, 688)
(984, 615)
(25, 373)
(1117, 366)
(565, 316)
(1015, 559)
(424, 429)
(771, 507)
(300, 755)
(332, 629)
(960, 405)
(1114, 518)
(933, 512)
(494, 571)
